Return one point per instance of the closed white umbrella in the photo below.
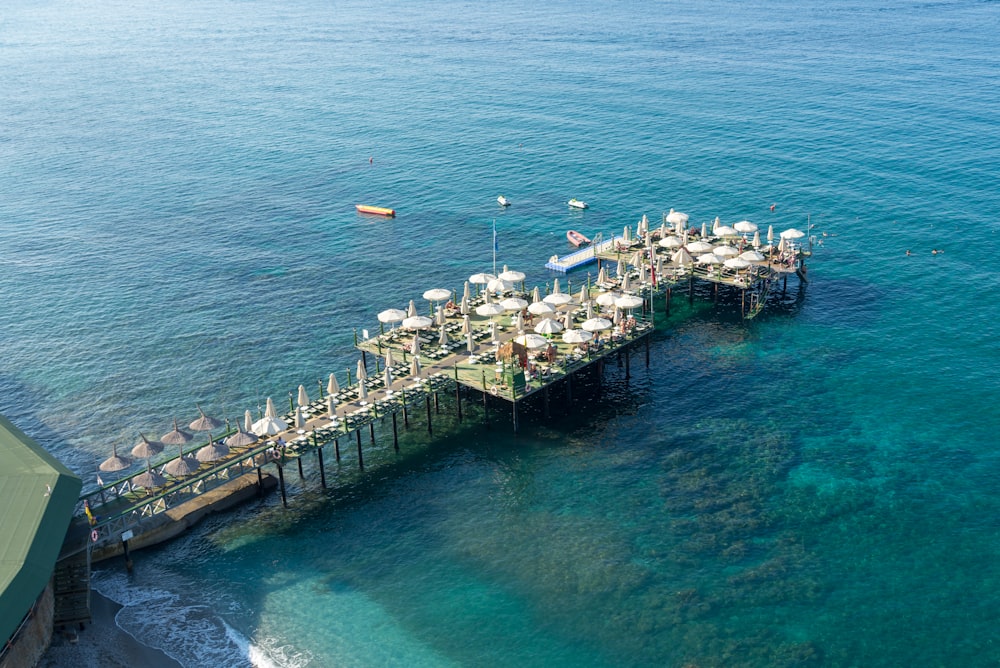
(602, 276)
(389, 361)
(247, 421)
(536, 295)
(443, 337)
(387, 377)
(415, 345)
(331, 406)
(300, 420)
(567, 322)
(415, 367)
(466, 324)
(770, 234)
(519, 321)
(303, 398)
(332, 386)
(555, 286)
(362, 372)
(494, 332)
(756, 239)
(411, 310)
(626, 283)
(583, 295)
(363, 389)
(704, 229)
(470, 344)
(439, 315)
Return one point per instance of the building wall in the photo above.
(28, 645)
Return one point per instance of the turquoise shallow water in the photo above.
(814, 487)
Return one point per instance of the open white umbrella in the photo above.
(145, 448)
(745, 226)
(548, 326)
(596, 324)
(682, 257)
(437, 294)
(532, 341)
(270, 424)
(576, 336)
(726, 251)
(417, 322)
(725, 231)
(481, 279)
(499, 285)
(541, 308)
(303, 398)
(670, 242)
(675, 217)
(736, 263)
(514, 303)
(606, 298)
(752, 256)
(511, 276)
(792, 233)
(392, 315)
(181, 466)
(628, 302)
(489, 310)
(699, 247)
(709, 258)
(557, 299)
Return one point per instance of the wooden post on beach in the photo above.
(322, 472)
(395, 435)
(361, 459)
(427, 400)
(281, 484)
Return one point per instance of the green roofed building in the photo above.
(37, 497)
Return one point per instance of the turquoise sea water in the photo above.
(815, 487)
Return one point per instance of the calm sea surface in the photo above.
(818, 486)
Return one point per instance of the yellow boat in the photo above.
(377, 210)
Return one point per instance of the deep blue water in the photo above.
(817, 486)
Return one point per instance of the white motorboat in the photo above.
(577, 204)
(503, 201)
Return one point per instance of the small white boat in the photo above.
(503, 201)
(577, 204)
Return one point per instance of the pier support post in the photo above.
(691, 289)
(336, 448)
(371, 430)
(301, 474)
(647, 351)
(628, 373)
(569, 389)
(395, 434)
(406, 415)
(458, 400)
(669, 290)
(361, 459)
(364, 361)
(545, 394)
(128, 559)
(322, 471)
(437, 407)
(514, 414)
(427, 400)
(281, 484)
(260, 483)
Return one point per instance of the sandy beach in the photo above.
(102, 643)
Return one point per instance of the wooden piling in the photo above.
(371, 430)
(336, 448)
(298, 460)
(361, 459)
(395, 434)
(427, 400)
(514, 414)
(260, 483)
(322, 471)
(281, 484)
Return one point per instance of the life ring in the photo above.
(494, 391)
(94, 535)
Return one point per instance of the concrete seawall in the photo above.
(173, 522)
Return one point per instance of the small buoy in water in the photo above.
(371, 159)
